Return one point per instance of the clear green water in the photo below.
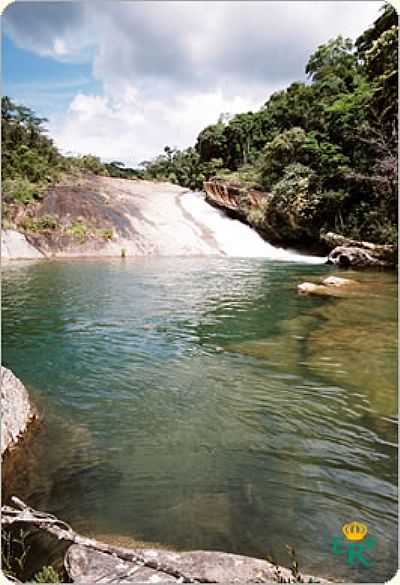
(201, 403)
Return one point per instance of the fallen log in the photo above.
(334, 240)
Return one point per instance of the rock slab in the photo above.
(86, 565)
(14, 245)
(17, 410)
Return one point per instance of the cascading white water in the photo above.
(234, 237)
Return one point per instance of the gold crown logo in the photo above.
(355, 530)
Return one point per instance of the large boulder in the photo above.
(17, 411)
(354, 256)
(347, 252)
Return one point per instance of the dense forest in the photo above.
(329, 144)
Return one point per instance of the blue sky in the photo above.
(43, 83)
(123, 79)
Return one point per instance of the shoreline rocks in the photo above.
(17, 410)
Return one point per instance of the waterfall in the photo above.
(235, 238)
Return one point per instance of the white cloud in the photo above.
(133, 128)
(167, 69)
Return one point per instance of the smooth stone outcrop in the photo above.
(86, 565)
(14, 245)
(142, 218)
(17, 411)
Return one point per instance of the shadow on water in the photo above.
(206, 405)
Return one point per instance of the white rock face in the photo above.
(14, 245)
(16, 409)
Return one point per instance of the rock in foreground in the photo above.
(91, 561)
(17, 411)
(85, 565)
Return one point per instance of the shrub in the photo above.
(47, 575)
(79, 230)
(93, 164)
(22, 190)
(257, 215)
(46, 223)
(106, 233)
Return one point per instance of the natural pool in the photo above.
(201, 403)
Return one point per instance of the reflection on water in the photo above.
(201, 403)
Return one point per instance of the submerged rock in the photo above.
(337, 281)
(332, 286)
(17, 411)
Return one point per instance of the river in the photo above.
(201, 403)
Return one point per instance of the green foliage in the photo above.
(247, 175)
(22, 190)
(256, 216)
(119, 170)
(106, 233)
(14, 552)
(93, 164)
(43, 224)
(47, 575)
(79, 229)
(334, 65)
(27, 153)
(285, 149)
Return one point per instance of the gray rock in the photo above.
(87, 565)
(14, 245)
(17, 410)
(346, 256)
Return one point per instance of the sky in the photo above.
(123, 79)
